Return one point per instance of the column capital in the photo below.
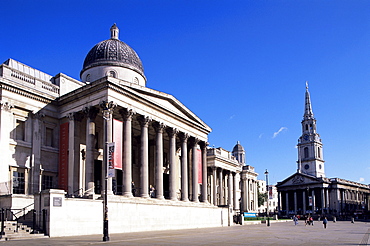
(75, 116)
(107, 108)
(159, 126)
(127, 114)
(184, 136)
(172, 132)
(194, 141)
(91, 112)
(144, 120)
(38, 115)
(6, 106)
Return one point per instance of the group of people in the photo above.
(309, 220)
(151, 190)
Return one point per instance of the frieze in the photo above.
(298, 180)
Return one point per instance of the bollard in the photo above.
(334, 219)
(352, 220)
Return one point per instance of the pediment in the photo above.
(167, 103)
(297, 179)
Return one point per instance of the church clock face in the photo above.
(305, 137)
(306, 166)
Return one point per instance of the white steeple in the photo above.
(310, 151)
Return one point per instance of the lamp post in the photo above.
(107, 110)
(267, 192)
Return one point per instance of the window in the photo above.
(49, 137)
(112, 74)
(306, 152)
(47, 182)
(319, 152)
(20, 129)
(18, 183)
(88, 78)
(306, 127)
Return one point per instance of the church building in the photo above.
(309, 191)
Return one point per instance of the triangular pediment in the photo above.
(166, 102)
(297, 179)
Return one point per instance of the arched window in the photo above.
(306, 152)
(319, 152)
(112, 74)
(306, 127)
(88, 78)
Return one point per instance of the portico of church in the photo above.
(159, 149)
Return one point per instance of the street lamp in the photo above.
(107, 110)
(267, 192)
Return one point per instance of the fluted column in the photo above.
(221, 187)
(295, 202)
(204, 172)
(159, 127)
(144, 152)
(6, 123)
(235, 188)
(91, 113)
(195, 170)
(107, 111)
(214, 185)
(184, 167)
(73, 151)
(304, 201)
(230, 185)
(127, 148)
(172, 132)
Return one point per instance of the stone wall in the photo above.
(75, 216)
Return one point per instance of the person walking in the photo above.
(325, 222)
(295, 219)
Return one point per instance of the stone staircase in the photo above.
(24, 231)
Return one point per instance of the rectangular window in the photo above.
(49, 138)
(20, 130)
(47, 182)
(18, 183)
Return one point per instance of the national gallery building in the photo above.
(67, 144)
(309, 191)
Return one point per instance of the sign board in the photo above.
(250, 214)
(310, 201)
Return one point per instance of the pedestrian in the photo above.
(151, 191)
(325, 221)
(133, 190)
(295, 219)
(311, 220)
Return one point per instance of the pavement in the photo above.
(285, 233)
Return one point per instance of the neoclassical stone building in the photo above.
(62, 138)
(230, 181)
(308, 190)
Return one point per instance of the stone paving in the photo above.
(286, 233)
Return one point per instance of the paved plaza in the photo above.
(284, 233)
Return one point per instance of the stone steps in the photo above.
(24, 232)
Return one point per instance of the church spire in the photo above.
(310, 151)
(308, 114)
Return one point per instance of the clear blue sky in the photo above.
(241, 66)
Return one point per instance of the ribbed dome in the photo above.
(238, 147)
(113, 52)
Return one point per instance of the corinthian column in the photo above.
(144, 122)
(107, 110)
(159, 127)
(127, 142)
(195, 170)
(204, 172)
(91, 113)
(184, 167)
(172, 132)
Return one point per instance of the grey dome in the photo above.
(113, 52)
(238, 148)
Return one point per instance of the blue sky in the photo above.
(241, 66)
